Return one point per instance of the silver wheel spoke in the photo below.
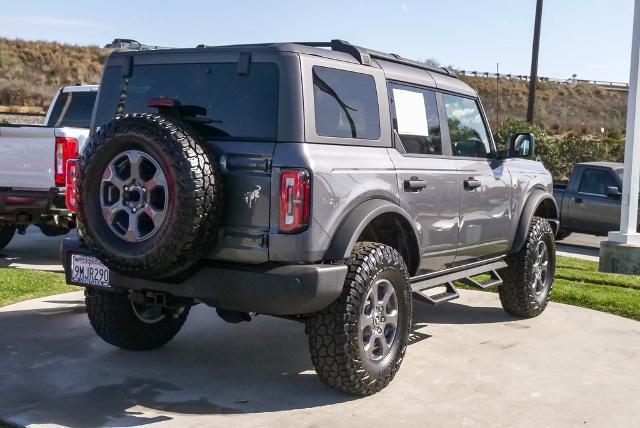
(155, 215)
(109, 212)
(391, 319)
(132, 234)
(158, 180)
(388, 293)
(111, 177)
(370, 346)
(366, 321)
(385, 346)
(135, 159)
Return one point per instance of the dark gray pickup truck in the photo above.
(590, 201)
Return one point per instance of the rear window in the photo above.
(346, 104)
(73, 109)
(234, 106)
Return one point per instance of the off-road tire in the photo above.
(112, 317)
(336, 351)
(7, 231)
(517, 292)
(193, 206)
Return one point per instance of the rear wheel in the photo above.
(7, 231)
(127, 325)
(357, 344)
(528, 280)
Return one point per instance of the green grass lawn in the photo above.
(579, 283)
(21, 284)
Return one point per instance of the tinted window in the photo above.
(416, 119)
(468, 133)
(596, 181)
(72, 109)
(346, 104)
(231, 106)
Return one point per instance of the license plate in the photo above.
(89, 270)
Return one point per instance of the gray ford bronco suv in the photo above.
(320, 182)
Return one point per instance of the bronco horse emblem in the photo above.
(252, 196)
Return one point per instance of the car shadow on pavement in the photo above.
(458, 313)
(56, 371)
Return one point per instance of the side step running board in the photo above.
(494, 281)
(435, 299)
(420, 286)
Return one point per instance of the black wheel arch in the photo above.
(363, 216)
(539, 203)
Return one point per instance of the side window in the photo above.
(469, 135)
(596, 181)
(416, 119)
(346, 104)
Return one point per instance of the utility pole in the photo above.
(497, 95)
(534, 63)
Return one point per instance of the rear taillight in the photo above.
(294, 200)
(66, 148)
(71, 193)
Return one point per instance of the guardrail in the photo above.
(571, 81)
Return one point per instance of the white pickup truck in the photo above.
(33, 162)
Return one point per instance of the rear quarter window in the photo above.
(235, 106)
(345, 104)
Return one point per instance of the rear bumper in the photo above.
(273, 290)
(29, 206)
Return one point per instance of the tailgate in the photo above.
(26, 157)
(246, 185)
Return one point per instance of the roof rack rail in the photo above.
(364, 55)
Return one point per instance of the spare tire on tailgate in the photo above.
(149, 196)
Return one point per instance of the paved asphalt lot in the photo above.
(469, 364)
(33, 251)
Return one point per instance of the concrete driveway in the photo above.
(469, 364)
(33, 251)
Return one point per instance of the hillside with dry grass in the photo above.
(31, 71)
(560, 108)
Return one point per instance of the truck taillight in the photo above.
(294, 200)
(71, 193)
(66, 148)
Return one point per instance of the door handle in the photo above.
(578, 199)
(414, 185)
(471, 184)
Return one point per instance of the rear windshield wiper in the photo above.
(324, 87)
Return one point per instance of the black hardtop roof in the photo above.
(335, 49)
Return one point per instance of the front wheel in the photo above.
(528, 279)
(7, 231)
(127, 325)
(357, 344)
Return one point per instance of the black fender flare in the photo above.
(534, 200)
(345, 237)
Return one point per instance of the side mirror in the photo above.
(521, 145)
(613, 192)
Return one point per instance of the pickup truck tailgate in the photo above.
(27, 155)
